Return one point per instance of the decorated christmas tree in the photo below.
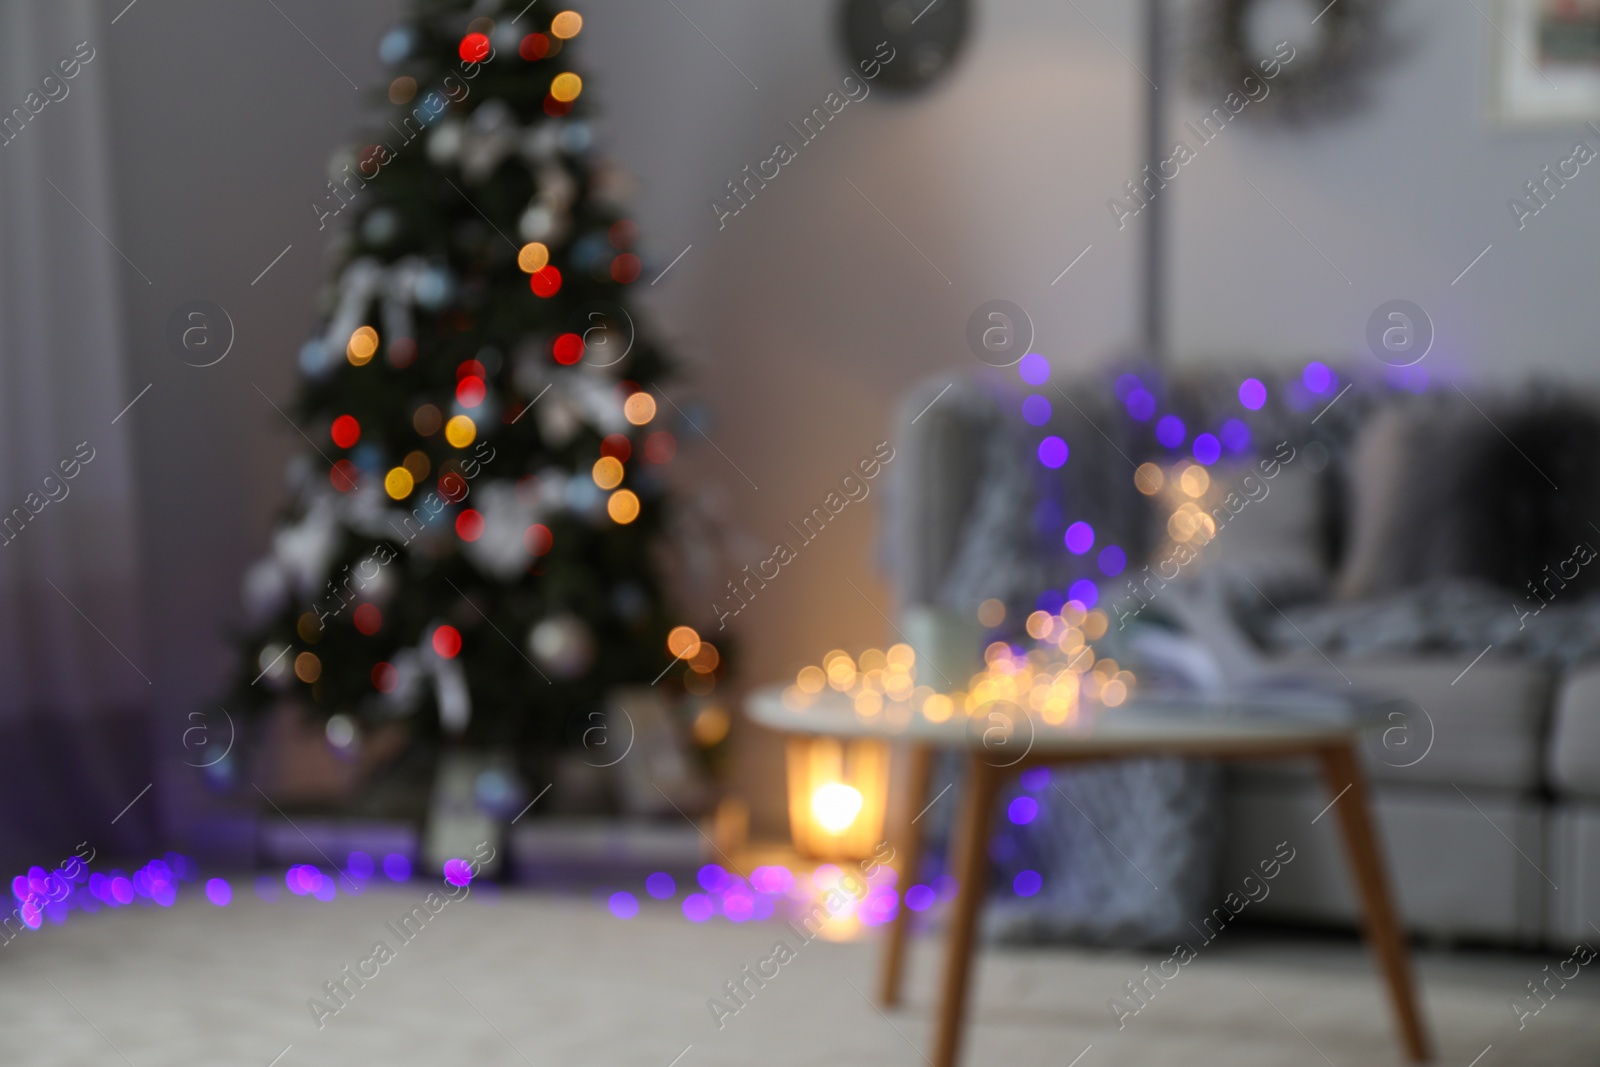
(473, 541)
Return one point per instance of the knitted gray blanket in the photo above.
(1125, 852)
(1447, 616)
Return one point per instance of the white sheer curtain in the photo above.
(70, 649)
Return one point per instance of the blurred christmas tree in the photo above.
(472, 543)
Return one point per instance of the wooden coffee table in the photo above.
(1002, 740)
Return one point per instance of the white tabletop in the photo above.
(1147, 722)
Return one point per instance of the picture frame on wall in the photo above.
(1546, 62)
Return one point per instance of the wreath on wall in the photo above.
(1327, 77)
(925, 36)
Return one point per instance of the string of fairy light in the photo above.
(1051, 678)
(53, 897)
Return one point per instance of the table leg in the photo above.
(908, 855)
(1341, 769)
(971, 869)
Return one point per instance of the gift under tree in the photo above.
(472, 541)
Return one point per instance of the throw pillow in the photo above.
(1447, 487)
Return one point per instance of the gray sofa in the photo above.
(1487, 790)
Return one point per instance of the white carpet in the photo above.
(546, 981)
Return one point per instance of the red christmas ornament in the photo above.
(660, 447)
(368, 619)
(402, 352)
(545, 282)
(617, 446)
(470, 391)
(471, 368)
(623, 234)
(447, 641)
(534, 46)
(474, 47)
(568, 349)
(539, 539)
(346, 431)
(452, 487)
(344, 476)
(625, 268)
(385, 677)
(469, 525)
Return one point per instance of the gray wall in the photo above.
(223, 120)
(808, 316)
(1401, 198)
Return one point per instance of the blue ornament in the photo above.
(497, 791)
(397, 45)
(583, 496)
(591, 251)
(367, 457)
(629, 602)
(314, 361)
(380, 226)
(434, 288)
(576, 137)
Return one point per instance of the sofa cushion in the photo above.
(1484, 728)
(1459, 866)
(1447, 487)
(1274, 529)
(1574, 855)
(1574, 756)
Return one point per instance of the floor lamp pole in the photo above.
(1152, 289)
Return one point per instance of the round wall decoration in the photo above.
(922, 36)
(1305, 59)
